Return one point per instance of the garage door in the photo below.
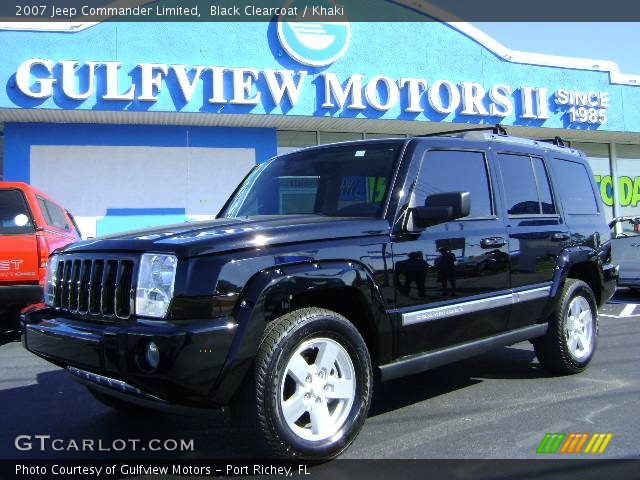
(115, 188)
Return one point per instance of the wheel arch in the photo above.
(346, 287)
(580, 263)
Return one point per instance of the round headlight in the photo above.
(152, 356)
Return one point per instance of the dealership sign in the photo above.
(43, 78)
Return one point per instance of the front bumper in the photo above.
(192, 353)
(20, 295)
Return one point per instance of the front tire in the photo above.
(310, 390)
(570, 342)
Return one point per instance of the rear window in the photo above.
(53, 214)
(15, 217)
(575, 186)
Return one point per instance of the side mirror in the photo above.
(439, 208)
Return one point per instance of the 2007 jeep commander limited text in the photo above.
(329, 267)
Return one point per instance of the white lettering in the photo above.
(436, 100)
(526, 94)
(392, 93)
(243, 79)
(151, 79)
(414, 86)
(542, 103)
(286, 85)
(187, 87)
(69, 79)
(333, 88)
(218, 85)
(472, 97)
(502, 105)
(113, 84)
(23, 78)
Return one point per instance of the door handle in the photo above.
(560, 237)
(492, 242)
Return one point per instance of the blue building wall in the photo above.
(429, 50)
(19, 137)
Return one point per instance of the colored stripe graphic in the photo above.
(598, 443)
(574, 443)
(550, 443)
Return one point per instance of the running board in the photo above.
(413, 364)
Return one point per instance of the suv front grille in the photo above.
(97, 287)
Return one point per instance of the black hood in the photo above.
(225, 234)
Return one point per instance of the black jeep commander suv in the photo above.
(332, 266)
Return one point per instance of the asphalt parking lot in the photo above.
(498, 405)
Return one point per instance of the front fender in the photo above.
(269, 294)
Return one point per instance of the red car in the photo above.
(32, 225)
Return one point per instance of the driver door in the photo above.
(449, 277)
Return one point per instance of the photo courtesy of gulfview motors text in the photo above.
(124, 469)
(319, 238)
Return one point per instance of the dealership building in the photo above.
(140, 124)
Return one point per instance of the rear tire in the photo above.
(310, 389)
(570, 342)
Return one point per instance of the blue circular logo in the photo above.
(316, 44)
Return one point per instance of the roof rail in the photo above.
(557, 141)
(497, 129)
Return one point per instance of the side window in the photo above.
(526, 185)
(53, 214)
(575, 186)
(456, 171)
(45, 212)
(544, 188)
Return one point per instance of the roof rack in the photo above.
(497, 129)
(557, 141)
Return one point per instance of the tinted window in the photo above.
(53, 214)
(526, 185)
(544, 188)
(455, 171)
(575, 185)
(341, 181)
(14, 214)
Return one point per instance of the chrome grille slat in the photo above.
(73, 285)
(58, 289)
(83, 286)
(95, 287)
(66, 274)
(108, 288)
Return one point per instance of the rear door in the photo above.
(18, 246)
(537, 232)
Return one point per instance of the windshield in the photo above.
(14, 214)
(341, 181)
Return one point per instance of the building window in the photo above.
(373, 136)
(292, 140)
(628, 166)
(334, 137)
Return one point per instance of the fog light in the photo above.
(152, 356)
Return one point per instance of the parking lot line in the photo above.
(627, 311)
